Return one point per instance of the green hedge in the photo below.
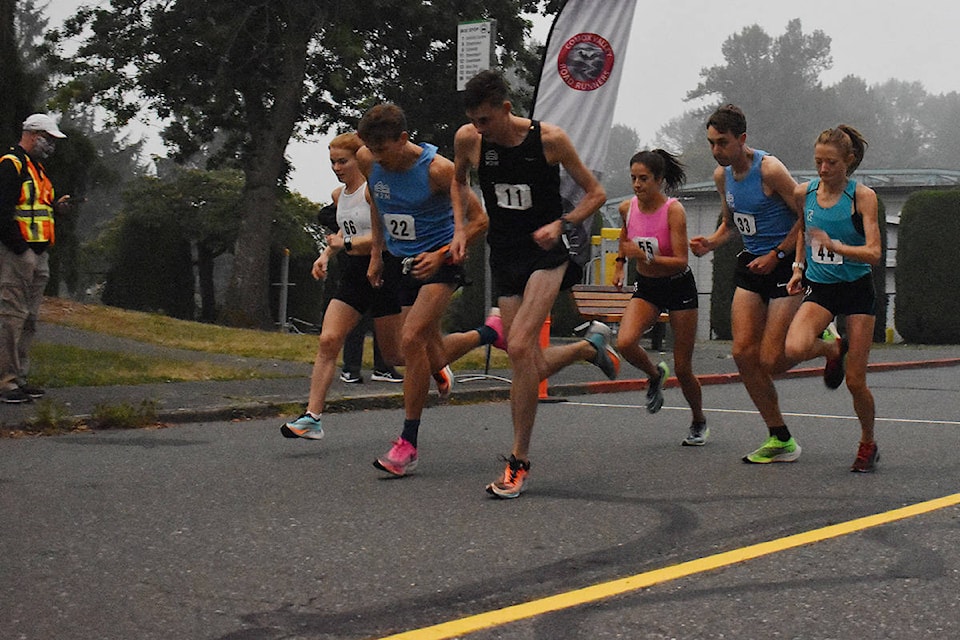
(152, 270)
(928, 285)
(721, 298)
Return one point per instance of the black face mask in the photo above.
(44, 148)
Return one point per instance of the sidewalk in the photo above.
(286, 395)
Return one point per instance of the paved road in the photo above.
(225, 530)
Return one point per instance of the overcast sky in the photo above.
(672, 41)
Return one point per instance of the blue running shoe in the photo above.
(306, 426)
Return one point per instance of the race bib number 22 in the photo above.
(400, 226)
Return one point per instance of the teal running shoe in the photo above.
(607, 359)
(655, 389)
(306, 426)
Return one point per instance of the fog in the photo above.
(672, 42)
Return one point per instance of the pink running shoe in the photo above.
(400, 460)
(495, 322)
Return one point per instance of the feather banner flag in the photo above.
(579, 81)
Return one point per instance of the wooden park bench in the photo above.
(606, 304)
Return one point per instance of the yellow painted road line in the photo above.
(605, 590)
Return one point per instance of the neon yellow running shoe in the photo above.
(774, 450)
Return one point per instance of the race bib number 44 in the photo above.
(821, 255)
(514, 196)
(400, 226)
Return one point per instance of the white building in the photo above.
(702, 203)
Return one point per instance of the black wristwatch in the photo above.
(348, 243)
(781, 254)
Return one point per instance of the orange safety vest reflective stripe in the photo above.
(35, 206)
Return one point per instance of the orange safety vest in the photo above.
(35, 206)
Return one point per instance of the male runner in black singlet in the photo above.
(518, 162)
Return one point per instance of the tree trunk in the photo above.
(205, 272)
(271, 125)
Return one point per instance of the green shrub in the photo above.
(51, 416)
(152, 270)
(928, 287)
(721, 298)
(124, 415)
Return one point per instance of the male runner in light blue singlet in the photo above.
(410, 188)
(756, 200)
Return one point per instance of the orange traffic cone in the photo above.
(544, 343)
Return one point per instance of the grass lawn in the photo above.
(63, 366)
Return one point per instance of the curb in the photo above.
(475, 396)
(555, 393)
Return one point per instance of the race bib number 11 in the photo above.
(514, 196)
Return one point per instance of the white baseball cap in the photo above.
(43, 122)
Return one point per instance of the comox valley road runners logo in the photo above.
(585, 61)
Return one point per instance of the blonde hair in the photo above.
(349, 141)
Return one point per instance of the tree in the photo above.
(624, 143)
(182, 221)
(941, 115)
(688, 134)
(257, 73)
(20, 82)
(769, 78)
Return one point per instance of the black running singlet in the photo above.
(520, 190)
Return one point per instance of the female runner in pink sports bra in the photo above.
(654, 235)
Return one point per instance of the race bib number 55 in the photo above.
(649, 246)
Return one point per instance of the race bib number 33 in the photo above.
(400, 226)
(514, 196)
(745, 222)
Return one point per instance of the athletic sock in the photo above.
(411, 428)
(487, 335)
(782, 433)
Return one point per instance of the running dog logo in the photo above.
(585, 61)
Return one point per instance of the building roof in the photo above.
(874, 178)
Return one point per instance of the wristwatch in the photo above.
(348, 243)
(781, 254)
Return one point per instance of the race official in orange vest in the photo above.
(27, 204)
